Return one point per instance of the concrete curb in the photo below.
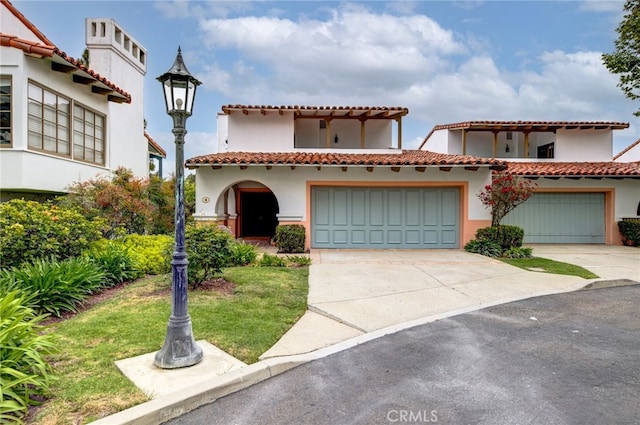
(170, 406)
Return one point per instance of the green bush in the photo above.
(242, 254)
(484, 247)
(519, 252)
(116, 262)
(57, 286)
(290, 238)
(269, 260)
(33, 231)
(24, 374)
(504, 235)
(207, 251)
(298, 261)
(630, 231)
(151, 253)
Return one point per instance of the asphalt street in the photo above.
(570, 358)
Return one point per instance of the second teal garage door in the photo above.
(556, 217)
(352, 217)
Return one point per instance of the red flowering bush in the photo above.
(504, 194)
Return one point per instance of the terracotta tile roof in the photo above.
(405, 158)
(532, 126)
(627, 149)
(323, 111)
(574, 169)
(155, 145)
(49, 50)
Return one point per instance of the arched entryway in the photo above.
(257, 210)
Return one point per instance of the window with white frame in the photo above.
(5, 111)
(49, 127)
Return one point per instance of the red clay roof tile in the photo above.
(574, 169)
(405, 158)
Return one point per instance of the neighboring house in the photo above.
(342, 174)
(581, 193)
(156, 153)
(629, 154)
(64, 122)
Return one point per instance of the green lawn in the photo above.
(266, 302)
(546, 265)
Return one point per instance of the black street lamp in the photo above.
(179, 349)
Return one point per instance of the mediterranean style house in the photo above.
(341, 172)
(64, 121)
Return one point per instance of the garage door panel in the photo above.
(385, 217)
(561, 218)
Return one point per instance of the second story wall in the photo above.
(256, 132)
(584, 145)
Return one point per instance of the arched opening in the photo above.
(257, 213)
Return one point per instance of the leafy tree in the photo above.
(123, 202)
(504, 194)
(625, 60)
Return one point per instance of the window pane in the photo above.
(50, 99)
(35, 109)
(35, 125)
(49, 129)
(35, 140)
(63, 148)
(49, 113)
(63, 134)
(99, 158)
(77, 151)
(35, 92)
(78, 125)
(63, 105)
(49, 144)
(5, 119)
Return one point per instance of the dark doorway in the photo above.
(258, 214)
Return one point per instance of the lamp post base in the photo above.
(179, 349)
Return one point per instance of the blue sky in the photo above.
(447, 61)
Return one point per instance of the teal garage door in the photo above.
(351, 217)
(561, 218)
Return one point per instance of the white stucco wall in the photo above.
(583, 145)
(223, 132)
(632, 155)
(255, 132)
(438, 142)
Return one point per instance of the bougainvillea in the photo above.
(504, 194)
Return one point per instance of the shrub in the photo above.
(207, 251)
(116, 262)
(242, 254)
(519, 252)
(484, 247)
(290, 238)
(23, 371)
(151, 253)
(33, 231)
(269, 260)
(57, 286)
(630, 230)
(505, 236)
(122, 202)
(298, 261)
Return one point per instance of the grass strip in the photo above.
(545, 265)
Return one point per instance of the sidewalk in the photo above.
(359, 295)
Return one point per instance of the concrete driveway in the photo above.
(374, 289)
